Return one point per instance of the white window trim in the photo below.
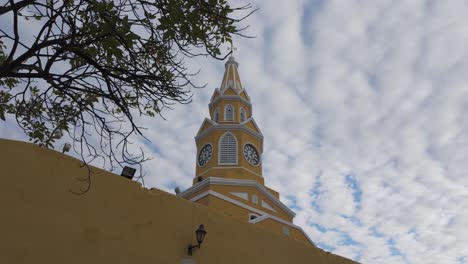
(267, 206)
(240, 114)
(214, 115)
(219, 150)
(233, 112)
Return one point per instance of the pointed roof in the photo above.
(231, 76)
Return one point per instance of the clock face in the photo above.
(205, 155)
(251, 154)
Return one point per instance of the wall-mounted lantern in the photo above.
(200, 233)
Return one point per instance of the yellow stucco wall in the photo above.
(294, 233)
(118, 221)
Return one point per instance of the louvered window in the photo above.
(228, 113)
(228, 149)
(242, 115)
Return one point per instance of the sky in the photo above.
(362, 106)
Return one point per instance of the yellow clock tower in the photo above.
(228, 175)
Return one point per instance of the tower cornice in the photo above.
(227, 127)
(229, 97)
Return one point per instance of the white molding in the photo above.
(234, 71)
(219, 149)
(229, 127)
(251, 119)
(242, 195)
(259, 219)
(206, 120)
(214, 93)
(199, 196)
(230, 97)
(233, 112)
(267, 206)
(246, 94)
(230, 85)
(239, 127)
(263, 215)
(256, 216)
(234, 182)
(227, 199)
(229, 167)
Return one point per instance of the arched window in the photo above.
(216, 116)
(228, 149)
(242, 114)
(228, 113)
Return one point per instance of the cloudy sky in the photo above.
(362, 105)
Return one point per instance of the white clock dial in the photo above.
(251, 154)
(205, 155)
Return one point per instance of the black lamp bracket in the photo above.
(192, 248)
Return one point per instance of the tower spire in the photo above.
(231, 75)
(232, 49)
(228, 174)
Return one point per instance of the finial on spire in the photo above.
(232, 49)
(231, 76)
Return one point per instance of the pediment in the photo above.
(244, 95)
(215, 95)
(250, 123)
(230, 91)
(207, 123)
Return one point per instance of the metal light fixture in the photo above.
(66, 147)
(57, 134)
(200, 233)
(128, 172)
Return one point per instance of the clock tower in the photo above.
(228, 175)
(229, 143)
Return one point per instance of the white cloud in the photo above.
(372, 90)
